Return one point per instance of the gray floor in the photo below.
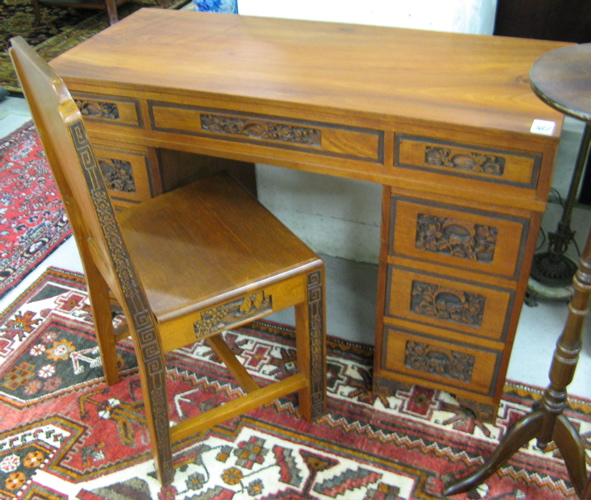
(352, 286)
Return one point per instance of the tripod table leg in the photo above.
(569, 443)
(520, 434)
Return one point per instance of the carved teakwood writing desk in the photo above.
(443, 121)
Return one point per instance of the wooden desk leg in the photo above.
(111, 11)
(37, 11)
(549, 423)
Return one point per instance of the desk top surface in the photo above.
(386, 73)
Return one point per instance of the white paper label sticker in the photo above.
(542, 127)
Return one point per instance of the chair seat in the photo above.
(204, 223)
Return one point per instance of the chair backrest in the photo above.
(76, 170)
(74, 167)
(92, 216)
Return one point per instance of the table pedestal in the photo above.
(549, 423)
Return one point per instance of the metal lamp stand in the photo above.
(553, 268)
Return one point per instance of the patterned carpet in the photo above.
(59, 30)
(65, 434)
(33, 220)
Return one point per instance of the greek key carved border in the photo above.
(136, 302)
(317, 343)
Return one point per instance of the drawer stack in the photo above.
(126, 168)
(452, 276)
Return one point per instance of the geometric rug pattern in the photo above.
(33, 221)
(65, 434)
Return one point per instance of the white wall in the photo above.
(341, 217)
(464, 16)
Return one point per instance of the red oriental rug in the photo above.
(64, 434)
(33, 221)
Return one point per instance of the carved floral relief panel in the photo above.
(446, 363)
(480, 163)
(448, 304)
(118, 174)
(98, 109)
(470, 161)
(261, 129)
(223, 316)
(465, 240)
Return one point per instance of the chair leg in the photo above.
(311, 346)
(153, 377)
(103, 321)
(152, 368)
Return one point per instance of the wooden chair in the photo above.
(183, 266)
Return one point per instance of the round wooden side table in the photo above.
(562, 79)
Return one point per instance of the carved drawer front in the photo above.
(125, 173)
(312, 137)
(107, 109)
(468, 239)
(462, 306)
(223, 317)
(432, 359)
(493, 165)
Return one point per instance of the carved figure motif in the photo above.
(260, 129)
(439, 361)
(470, 161)
(118, 174)
(98, 109)
(223, 316)
(449, 304)
(464, 240)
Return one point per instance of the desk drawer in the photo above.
(454, 236)
(492, 165)
(126, 173)
(277, 132)
(109, 109)
(445, 302)
(426, 358)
